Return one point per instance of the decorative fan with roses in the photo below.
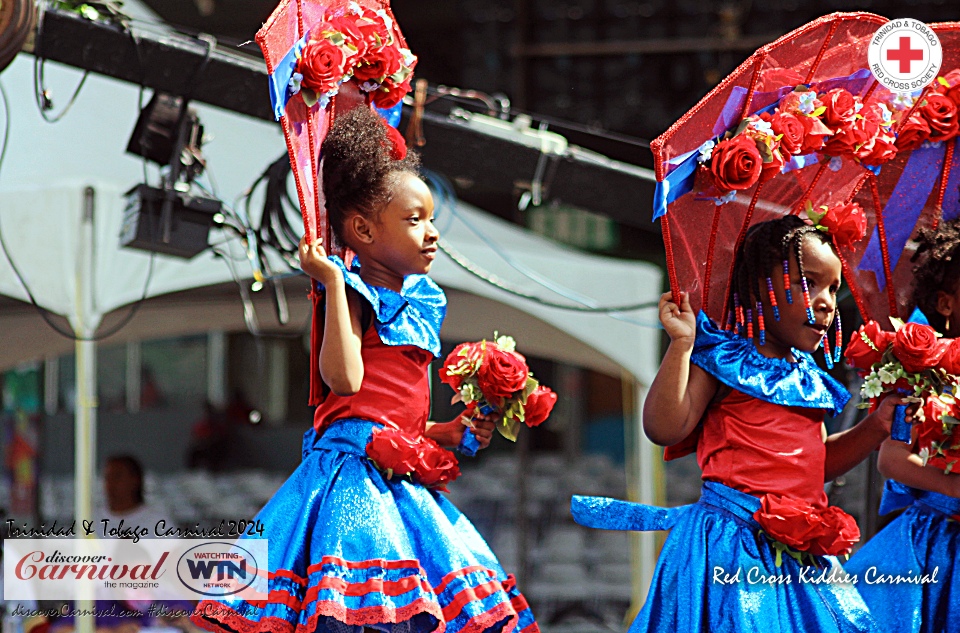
(801, 123)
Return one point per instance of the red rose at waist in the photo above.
(539, 405)
(846, 223)
(790, 521)
(437, 466)
(735, 164)
(913, 133)
(395, 451)
(917, 348)
(941, 114)
(838, 533)
(815, 133)
(859, 354)
(950, 361)
(322, 65)
(840, 109)
(501, 374)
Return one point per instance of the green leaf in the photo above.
(819, 111)
(509, 429)
(309, 96)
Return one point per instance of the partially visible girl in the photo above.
(923, 543)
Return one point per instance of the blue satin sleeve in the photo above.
(411, 317)
(735, 361)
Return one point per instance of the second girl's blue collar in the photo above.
(411, 317)
(736, 362)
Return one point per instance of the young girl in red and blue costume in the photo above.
(351, 548)
(750, 400)
(924, 541)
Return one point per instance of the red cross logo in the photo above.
(905, 55)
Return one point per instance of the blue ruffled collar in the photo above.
(736, 362)
(411, 317)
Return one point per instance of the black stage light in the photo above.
(189, 220)
(173, 219)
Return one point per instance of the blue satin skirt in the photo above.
(717, 572)
(923, 546)
(350, 549)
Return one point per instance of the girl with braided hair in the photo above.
(360, 538)
(925, 539)
(758, 551)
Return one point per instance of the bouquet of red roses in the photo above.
(490, 376)
(400, 454)
(915, 363)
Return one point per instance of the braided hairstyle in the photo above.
(939, 269)
(766, 246)
(358, 168)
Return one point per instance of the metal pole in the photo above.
(85, 323)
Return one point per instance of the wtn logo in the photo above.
(223, 568)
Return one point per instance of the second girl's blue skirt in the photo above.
(350, 549)
(922, 544)
(718, 573)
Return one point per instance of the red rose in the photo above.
(917, 348)
(771, 169)
(463, 353)
(390, 94)
(539, 405)
(790, 129)
(848, 140)
(437, 466)
(913, 133)
(501, 374)
(862, 356)
(933, 411)
(950, 362)
(735, 164)
(394, 450)
(841, 109)
(322, 65)
(373, 28)
(941, 114)
(882, 150)
(347, 26)
(837, 535)
(815, 134)
(846, 223)
(378, 64)
(791, 521)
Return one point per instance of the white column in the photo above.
(644, 485)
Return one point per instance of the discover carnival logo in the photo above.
(905, 55)
(121, 569)
(217, 569)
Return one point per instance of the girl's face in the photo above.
(402, 239)
(822, 269)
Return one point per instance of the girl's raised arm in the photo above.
(341, 364)
(681, 392)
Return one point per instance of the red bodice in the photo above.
(395, 388)
(758, 447)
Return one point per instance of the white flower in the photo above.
(807, 102)
(931, 144)
(507, 343)
(762, 126)
(924, 455)
(355, 8)
(886, 114)
(903, 101)
(857, 106)
(369, 86)
(386, 20)
(836, 163)
(730, 197)
(888, 374)
(408, 57)
(293, 86)
(871, 388)
(706, 151)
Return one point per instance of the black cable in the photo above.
(474, 270)
(44, 104)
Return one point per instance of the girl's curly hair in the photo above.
(358, 169)
(939, 269)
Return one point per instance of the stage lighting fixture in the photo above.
(175, 218)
